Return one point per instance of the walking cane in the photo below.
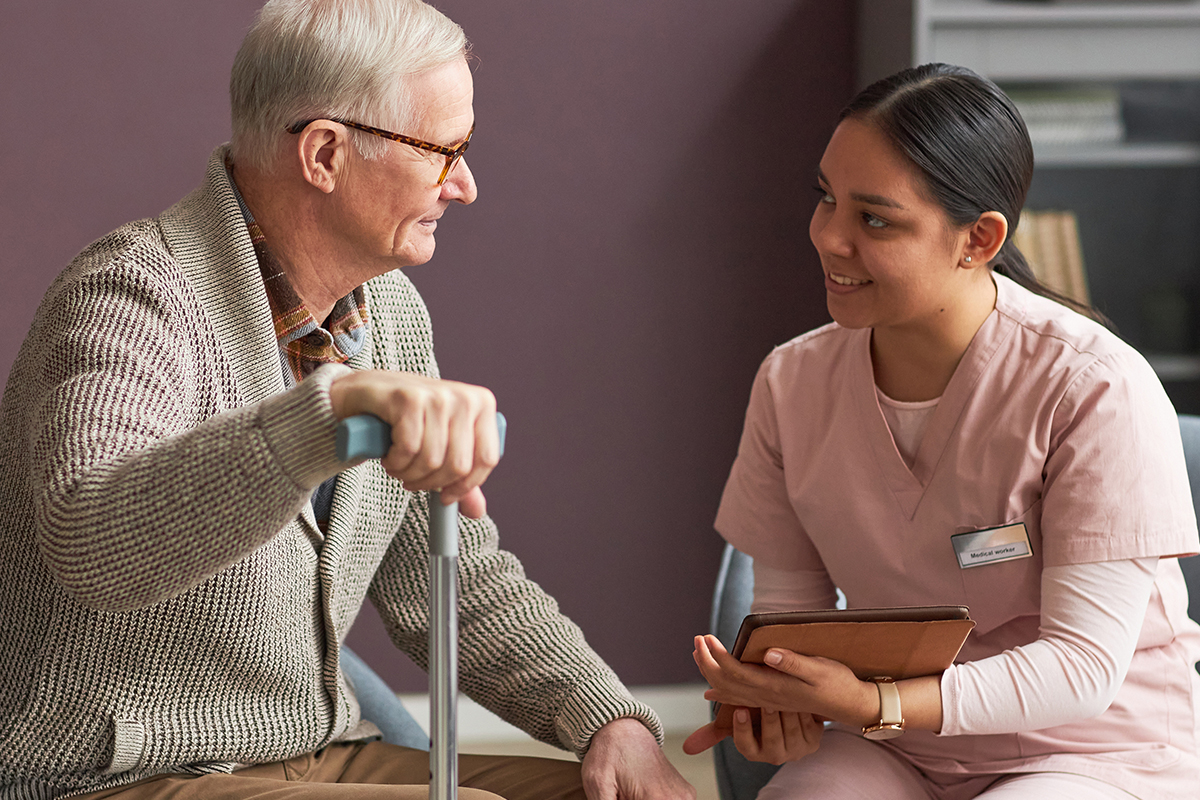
(367, 436)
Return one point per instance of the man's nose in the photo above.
(460, 184)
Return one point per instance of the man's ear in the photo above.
(323, 148)
(985, 237)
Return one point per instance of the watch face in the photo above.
(880, 732)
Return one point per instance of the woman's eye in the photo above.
(826, 197)
(873, 221)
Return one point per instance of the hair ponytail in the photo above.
(1010, 262)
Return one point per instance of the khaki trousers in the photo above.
(365, 771)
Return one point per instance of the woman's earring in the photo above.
(967, 259)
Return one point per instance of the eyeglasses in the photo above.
(452, 154)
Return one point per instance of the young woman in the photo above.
(953, 395)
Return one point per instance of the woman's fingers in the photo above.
(723, 675)
(781, 736)
(711, 655)
(773, 743)
(812, 728)
(786, 681)
(743, 735)
(830, 688)
(703, 656)
(729, 677)
(715, 645)
(735, 683)
(703, 738)
(793, 728)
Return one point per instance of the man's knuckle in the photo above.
(464, 464)
(407, 442)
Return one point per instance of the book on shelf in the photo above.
(1049, 241)
(1062, 117)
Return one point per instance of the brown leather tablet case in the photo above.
(896, 643)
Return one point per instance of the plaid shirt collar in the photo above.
(303, 343)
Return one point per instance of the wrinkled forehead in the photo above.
(442, 102)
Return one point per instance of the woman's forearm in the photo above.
(1091, 617)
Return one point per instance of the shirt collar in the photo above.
(304, 343)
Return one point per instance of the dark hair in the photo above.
(969, 142)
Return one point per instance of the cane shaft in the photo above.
(443, 648)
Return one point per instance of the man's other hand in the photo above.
(625, 762)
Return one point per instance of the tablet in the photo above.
(896, 643)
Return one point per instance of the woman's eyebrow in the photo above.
(869, 199)
(875, 200)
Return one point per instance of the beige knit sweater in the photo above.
(167, 602)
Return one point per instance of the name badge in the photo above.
(991, 545)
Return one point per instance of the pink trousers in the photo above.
(849, 767)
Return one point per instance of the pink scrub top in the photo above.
(1049, 420)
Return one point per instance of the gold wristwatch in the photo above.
(891, 721)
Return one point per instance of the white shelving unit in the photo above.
(1033, 41)
(1068, 41)
(1043, 42)
(1025, 43)
(1165, 154)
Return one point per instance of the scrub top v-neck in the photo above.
(909, 484)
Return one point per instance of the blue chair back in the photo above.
(1189, 429)
(739, 779)
(380, 705)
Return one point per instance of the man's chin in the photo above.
(414, 256)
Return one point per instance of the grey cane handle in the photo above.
(367, 436)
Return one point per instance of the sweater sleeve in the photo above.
(144, 483)
(1090, 621)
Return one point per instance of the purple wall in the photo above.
(639, 244)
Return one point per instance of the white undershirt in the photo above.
(907, 422)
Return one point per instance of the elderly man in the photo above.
(182, 551)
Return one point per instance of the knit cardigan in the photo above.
(167, 602)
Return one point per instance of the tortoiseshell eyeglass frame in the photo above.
(452, 154)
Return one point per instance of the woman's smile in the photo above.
(836, 283)
(846, 280)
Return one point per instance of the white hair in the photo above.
(315, 59)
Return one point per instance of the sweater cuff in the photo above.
(300, 429)
(591, 706)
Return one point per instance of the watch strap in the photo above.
(889, 703)
(891, 720)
